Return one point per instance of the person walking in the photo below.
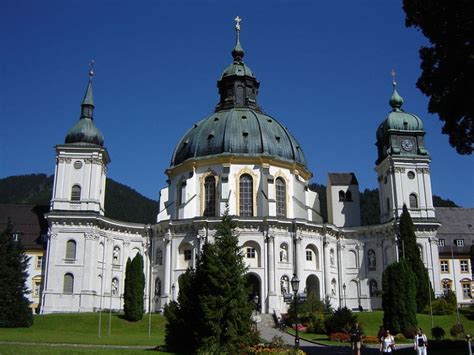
(420, 342)
(387, 343)
(356, 339)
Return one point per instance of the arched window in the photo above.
(342, 196)
(246, 195)
(348, 196)
(68, 286)
(280, 197)
(413, 201)
(210, 196)
(71, 250)
(76, 193)
(115, 287)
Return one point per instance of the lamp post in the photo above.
(295, 284)
(344, 294)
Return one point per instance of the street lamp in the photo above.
(344, 293)
(255, 299)
(295, 284)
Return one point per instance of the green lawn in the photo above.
(372, 320)
(82, 328)
(60, 350)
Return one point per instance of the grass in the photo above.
(60, 350)
(82, 328)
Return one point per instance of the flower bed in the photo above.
(341, 337)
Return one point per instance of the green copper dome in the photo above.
(398, 119)
(85, 131)
(242, 132)
(238, 127)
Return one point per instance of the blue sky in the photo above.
(324, 69)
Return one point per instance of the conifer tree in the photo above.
(398, 298)
(134, 289)
(14, 306)
(411, 253)
(213, 313)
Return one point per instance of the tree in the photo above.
(398, 297)
(410, 251)
(14, 306)
(134, 289)
(448, 64)
(214, 306)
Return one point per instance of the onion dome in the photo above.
(85, 131)
(400, 125)
(238, 127)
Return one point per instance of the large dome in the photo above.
(238, 127)
(239, 132)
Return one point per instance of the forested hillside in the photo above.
(121, 202)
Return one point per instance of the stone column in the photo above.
(298, 261)
(326, 266)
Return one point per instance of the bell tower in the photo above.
(81, 163)
(403, 164)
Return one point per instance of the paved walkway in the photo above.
(268, 333)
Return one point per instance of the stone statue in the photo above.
(116, 255)
(284, 283)
(331, 256)
(372, 260)
(159, 257)
(283, 255)
(114, 287)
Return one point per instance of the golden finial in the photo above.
(393, 74)
(237, 23)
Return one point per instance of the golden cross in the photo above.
(237, 23)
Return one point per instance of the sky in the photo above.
(324, 69)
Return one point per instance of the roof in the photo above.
(456, 223)
(241, 132)
(342, 179)
(28, 220)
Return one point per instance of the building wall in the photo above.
(34, 280)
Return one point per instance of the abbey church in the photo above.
(245, 160)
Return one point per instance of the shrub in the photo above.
(400, 337)
(457, 331)
(440, 307)
(410, 332)
(438, 333)
(316, 324)
(339, 336)
(341, 321)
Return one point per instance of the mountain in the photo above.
(369, 204)
(121, 203)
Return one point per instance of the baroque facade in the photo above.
(243, 160)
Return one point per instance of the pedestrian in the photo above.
(387, 343)
(420, 342)
(356, 339)
(381, 333)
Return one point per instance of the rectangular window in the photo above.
(39, 262)
(309, 255)
(441, 242)
(187, 254)
(466, 290)
(251, 253)
(444, 265)
(464, 264)
(459, 242)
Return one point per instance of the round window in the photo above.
(411, 175)
(77, 164)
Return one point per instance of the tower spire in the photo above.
(396, 101)
(87, 106)
(238, 52)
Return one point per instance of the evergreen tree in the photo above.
(14, 306)
(134, 289)
(411, 253)
(398, 298)
(213, 313)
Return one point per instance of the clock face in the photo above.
(407, 145)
